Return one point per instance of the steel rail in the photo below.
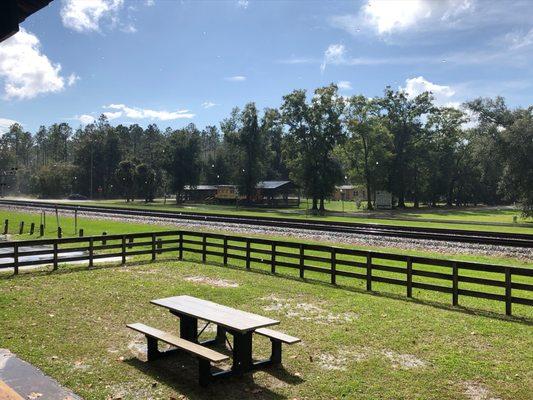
(439, 234)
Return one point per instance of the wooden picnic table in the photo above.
(240, 324)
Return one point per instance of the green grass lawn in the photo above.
(468, 218)
(355, 345)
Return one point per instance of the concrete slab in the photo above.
(17, 377)
(46, 257)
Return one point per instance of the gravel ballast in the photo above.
(443, 247)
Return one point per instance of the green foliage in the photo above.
(125, 176)
(247, 147)
(54, 180)
(368, 151)
(182, 159)
(424, 154)
(314, 129)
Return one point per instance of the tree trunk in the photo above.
(368, 196)
(315, 204)
(322, 208)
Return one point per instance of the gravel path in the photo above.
(523, 254)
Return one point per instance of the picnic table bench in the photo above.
(239, 324)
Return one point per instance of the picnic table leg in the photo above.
(242, 352)
(188, 327)
(221, 335)
(153, 352)
(275, 358)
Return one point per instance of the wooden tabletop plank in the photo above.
(6, 393)
(227, 317)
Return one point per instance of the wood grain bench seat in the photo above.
(205, 356)
(277, 338)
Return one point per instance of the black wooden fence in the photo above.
(497, 282)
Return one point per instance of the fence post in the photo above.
(6, 227)
(204, 247)
(409, 277)
(21, 228)
(455, 283)
(41, 230)
(247, 253)
(159, 246)
(91, 252)
(368, 272)
(15, 258)
(302, 259)
(55, 256)
(80, 234)
(153, 246)
(273, 259)
(104, 241)
(32, 228)
(333, 266)
(180, 254)
(123, 249)
(508, 298)
(225, 251)
(59, 232)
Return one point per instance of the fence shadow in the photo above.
(46, 270)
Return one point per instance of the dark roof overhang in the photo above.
(13, 12)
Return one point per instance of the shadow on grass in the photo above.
(180, 372)
(29, 274)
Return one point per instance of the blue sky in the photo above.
(175, 62)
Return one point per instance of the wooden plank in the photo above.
(196, 349)
(282, 337)
(227, 317)
(6, 393)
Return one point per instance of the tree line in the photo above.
(421, 152)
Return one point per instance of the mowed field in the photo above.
(355, 344)
(476, 218)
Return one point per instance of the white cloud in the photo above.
(243, 3)
(25, 70)
(208, 104)
(86, 15)
(113, 115)
(344, 85)
(5, 124)
(85, 119)
(519, 40)
(72, 79)
(334, 54)
(387, 16)
(236, 78)
(149, 3)
(142, 113)
(442, 94)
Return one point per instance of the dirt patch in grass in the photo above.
(404, 361)
(476, 391)
(341, 359)
(294, 308)
(211, 281)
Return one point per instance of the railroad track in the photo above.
(439, 234)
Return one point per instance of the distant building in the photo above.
(349, 193)
(272, 193)
(277, 193)
(199, 193)
(383, 199)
